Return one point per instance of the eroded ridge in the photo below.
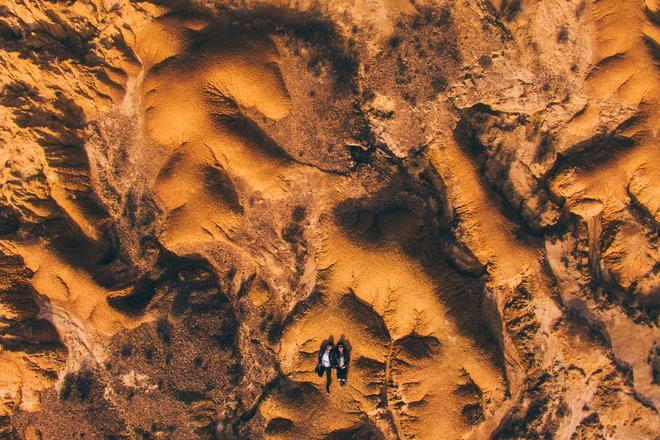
(196, 195)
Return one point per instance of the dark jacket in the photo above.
(347, 357)
(334, 359)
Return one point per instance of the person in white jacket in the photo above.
(327, 361)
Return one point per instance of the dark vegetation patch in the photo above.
(485, 61)
(473, 413)
(431, 16)
(394, 42)
(236, 372)
(164, 330)
(439, 84)
(293, 233)
(126, 350)
(360, 154)
(189, 396)
(298, 214)
(78, 385)
(419, 58)
(226, 337)
(562, 35)
(509, 9)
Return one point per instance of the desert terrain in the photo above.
(196, 194)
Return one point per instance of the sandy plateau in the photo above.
(195, 194)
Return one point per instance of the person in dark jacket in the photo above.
(327, 361)
(343, 359)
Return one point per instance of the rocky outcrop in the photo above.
(196, 196)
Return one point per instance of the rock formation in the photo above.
(196, 193)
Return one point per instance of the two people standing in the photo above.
(333, 357)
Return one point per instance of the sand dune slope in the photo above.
(198, 195)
